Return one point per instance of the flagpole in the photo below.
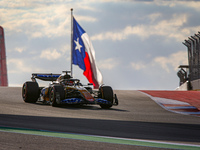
(71, 39)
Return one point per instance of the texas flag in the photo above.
(83, 55)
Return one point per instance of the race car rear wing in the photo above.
(45, 77)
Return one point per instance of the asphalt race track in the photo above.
(39, 126)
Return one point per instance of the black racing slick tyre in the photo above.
(56, 94)
(106, 93)
(30, 92)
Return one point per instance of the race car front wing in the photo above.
(98, 101)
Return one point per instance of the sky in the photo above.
(138, 43)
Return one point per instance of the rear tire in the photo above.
(30, 92)
(52, 94)
(106, 93)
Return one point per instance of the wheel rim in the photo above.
(52, 96)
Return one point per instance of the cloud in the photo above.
(172, 28)
(51, 19)
(169, 63)
(138, 65)
(20, 49)
(18, 4)
(154, 16)
(173, 61)
(109, 63)
(50, 54)
(170, 3)
(20, 66)
(179, 3)
(85, 18)
(39, 21)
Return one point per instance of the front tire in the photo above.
(30, 92)
(56, 89)
(106, 93)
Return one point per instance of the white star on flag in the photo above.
(78, 46)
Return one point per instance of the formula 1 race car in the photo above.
(63, 89)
